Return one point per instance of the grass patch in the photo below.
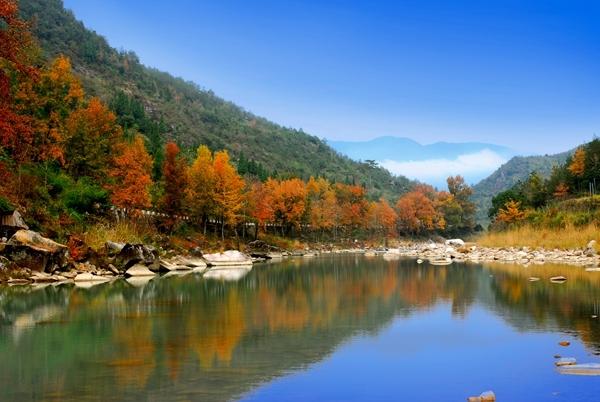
(567, 237)
(121, 232)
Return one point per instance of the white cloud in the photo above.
(473, 167)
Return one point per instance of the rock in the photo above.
(590, 249)
(189, 262)
(132, 254)
(113, 269)
(10, 223)
(113, 248)
(419, 261)
(229, 257)
(87, 277)
(29, 249)
(565, 361)
(564, 343)
(487, 396)
(581, 369)
(139, 270)
(558, 279)
(455, 242)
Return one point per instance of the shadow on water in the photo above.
(195, 338)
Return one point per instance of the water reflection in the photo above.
(219, 336)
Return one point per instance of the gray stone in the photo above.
(139, 270)
(29, 249)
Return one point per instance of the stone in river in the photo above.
(558, 279)
(581, 369)
(564, 343)
(565, 361)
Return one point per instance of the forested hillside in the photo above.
(515, 170)
(188, 114)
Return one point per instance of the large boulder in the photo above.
(29, 249)
(229, 257)
(132, 254)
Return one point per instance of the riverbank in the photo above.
(459, 251)
(27, 257)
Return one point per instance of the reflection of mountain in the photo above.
(189, 338)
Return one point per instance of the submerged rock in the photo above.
(29, 249)
(565, 361)
(581, 369)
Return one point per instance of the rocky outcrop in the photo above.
(29, 249)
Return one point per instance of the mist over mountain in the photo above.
(429, 163)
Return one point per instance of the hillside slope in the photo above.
(192, 115)
(516, 169)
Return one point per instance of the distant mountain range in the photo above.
(516, 169)
(430, 163)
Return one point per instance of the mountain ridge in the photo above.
(193, 115)
(518, 168)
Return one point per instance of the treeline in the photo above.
(556, 201)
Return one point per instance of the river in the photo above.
(331, 328)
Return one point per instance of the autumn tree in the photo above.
(383, 217)
(353, 205)
(91, 136)
(131, 174)
(174, 182)
(289, 201)
(321, 204)
(417, 213)
(16, 64)
(201, 188)
(511, 213)
(228, 191)
(260, 205)
(577, 165)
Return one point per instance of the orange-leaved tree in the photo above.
(201, 187)
(577, 165)
(228, 191)
(322, 204)
(260, 205)
(16, 64)
(131, 173)
(416, 211)
(383, 217)
(174, 177)
(511, 213)
(289, 201)
(92, 134)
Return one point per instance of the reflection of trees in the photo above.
(213, 340)
(567, 306)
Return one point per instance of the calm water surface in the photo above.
(342, 328)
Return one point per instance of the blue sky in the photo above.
(516, 73)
